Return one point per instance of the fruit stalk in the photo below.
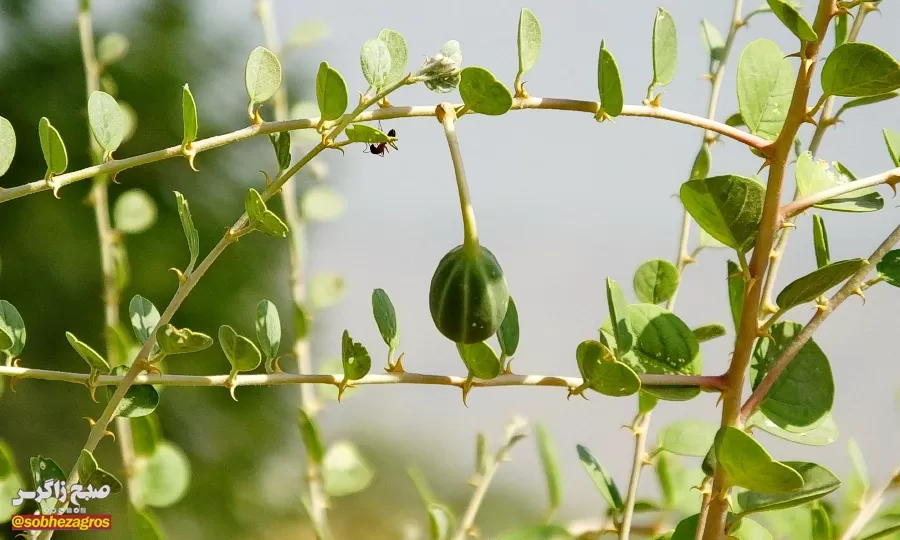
(446, 114)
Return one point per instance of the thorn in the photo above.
(362, 98)
(578, 391)
(13, 381)
(55, 188)
(92, 390)
(788, 225)
(765, 164)
(257, 119)
(601, 116)
(809, 119)
(466, 387)
(858, 292)
(822, 306)
(114, 177)
(720, 399)
(181, 276)
(507, 370)
(148, 367)
(397, 367)
(655, 102)
(521, 92)
(89, 420)
(231, 389)
(384, 103)
(110, 433)
(797, 54)
(708, 76)
(766, 334)
(268, 180)
(275, 367)
(344, 384)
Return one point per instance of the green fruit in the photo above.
(468, 296)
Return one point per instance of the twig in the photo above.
(107, 241)
(850, 288)
(684, 258)
(798, 206)
(639, 427)
(318, 499)
(202, 145)
(708, 382)
(749, 326)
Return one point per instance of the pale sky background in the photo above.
(564, 202)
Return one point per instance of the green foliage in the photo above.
(551, 467)
(189, 116)
(173, 340)
(268, 328)
(483, 93)
(321, 203)
(859, 70)
(609, 83)
(765, 82)
(820, 242)
(809, 287)
(385, 318)
(396, 46)
(355, 358)
(815, 176)
(508, 333)
(12, 325)
(309, 433)
(529, 43)
(45, 470)
(7, 145)
(164, 477)
(52, 146)
(821, 433)
(134, 212)
(344, 470)
(817, 482)
(96, 362)
(106, 120)
(748, 465)
(375, 61)
(793, 20)
(262, 75)
(187, 223)
(604, 482)
(729, 208)
(889, 267)
(687, 438)
(241, 353)
(619, 317)
(281, 143)
(331, 92)
(261, 218)
(144, 317)
(655, 281)
(602, 373)
(480, 359)
(665, 48)
(709, 331)
(892, 140)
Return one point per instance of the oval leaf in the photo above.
(355, 358)
(609, 82)
(889, 267)
(172, 340)
(804, 392)
(480, 359)
(375, 61)
(12, 325)
(309, 433)
(385, 318)
(550, 464)
(261, 218)
(145, 434)
(729, 208)
(528, 40)
(134, 212)
(892, 139)
(107, 120)
(367, 134)
(655, 281)
(820, 242)
(713, 41)
(817, 482)
(396, 46)
(691, 438)
(189, 116)
(441, 521)
(814, 176)
(144, 317)
(53, 148)
(344, 470)
(508, 333)
(262, 75)
(709, 331)
(821, 433)
(793, 20)
(89, 355)
(604, 482)
(859, 70)
(241, 353)
(139, 400)
(618, 314)
(665, 48)
(483, 93)
(190, 232)
(816, 283)
(748, 465)
(765, 84)
(331, 92)
(165, 478)
(268, 328)
(7, 145)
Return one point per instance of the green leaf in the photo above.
(241, 353)
(858, 70)
(708, 332)
(367, 134)
(870, 100)
(646, 402)
(89, 355)
(321, 203)
(480, 359)
(544, 531)
(728, 207)
(665, 48)
(441, 521)
(7, 145)
(748, 465)
(173, 340)
(396, 46)
(44, 470)
(604, 482)
(111, 48)
(508, 333)
(793, 20)
(107, 120)
(145, 434)
(677, 483)
(308, 33)
(655, 281)
(7, 461)
(550, 464)
(602, 373)
(892, 139)
(735, 120)
(90, 474)
(12, 325)
(268, 328)
(375, 61)
(302, 322)
(53, 148)
(618, 314)
(712, 40)
(262, 75)
(261, 218)
(144, 317)
(139, 400)
(165, 477)
(355, 358)
(609, 82)
(814, 176)
(804, 392)
(281, 143)
(145, 527)
(326, 290)
(691, 438)
(385, 318)
(483, 93)
(187, 223)
(821, 433)
(817, 482)
(331, 92)
(5, 340)
(820, 242)
(889, 267)
(663, 345)
(344, 470)
(821, 522)
(841, 28)
(707, 241)
(859, 483)
(700, 168)
(747, 529)
(134, 212)
(9, 490)
(765, 84)
(818, 282)
(528, 40)
(189, 116)
(309, 433)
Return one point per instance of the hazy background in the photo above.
(561, 200)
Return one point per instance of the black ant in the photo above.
(380, 149)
